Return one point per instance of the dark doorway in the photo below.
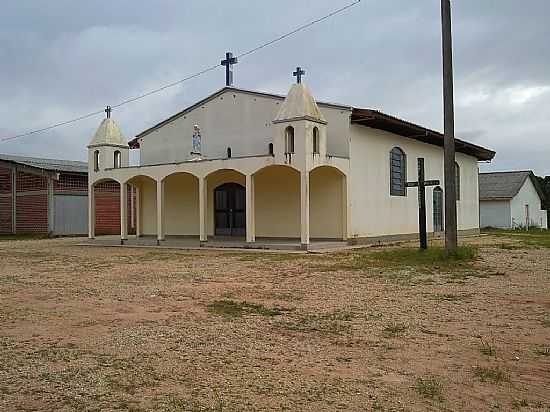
(230, 210)
(438, 209)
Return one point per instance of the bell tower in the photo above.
(300, 128)
(108, 149)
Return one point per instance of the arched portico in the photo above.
(106, 214)
(145, 204)
(181, 204)
(328, 203)
(277, 202)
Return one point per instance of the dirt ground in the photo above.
(101, 329)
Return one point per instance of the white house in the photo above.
(263, 166)
(510, 200)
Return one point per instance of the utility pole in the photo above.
(448, 105)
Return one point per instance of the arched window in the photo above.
(228, 152)
(398, 172)
(315, 140)
(289, 139)
(270, 148)
(457, 180)
(117, 160)
(96, 161)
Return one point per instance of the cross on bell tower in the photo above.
(228, 63)
(298, 74)
(108, 111)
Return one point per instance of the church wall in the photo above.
(181, 205)
(148, 209)
(325, 199)
(277, 202)
(374, 211)
(239, 120)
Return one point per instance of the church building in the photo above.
(257, 166)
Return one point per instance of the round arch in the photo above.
(273, 167)
(328, 203)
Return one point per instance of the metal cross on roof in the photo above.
(298, 74)
(108, 110)
(228, 63)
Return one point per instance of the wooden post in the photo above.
(448, 103)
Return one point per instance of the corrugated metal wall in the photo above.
(71, 214)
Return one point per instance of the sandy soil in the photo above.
(98, 329)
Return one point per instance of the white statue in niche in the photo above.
(196, 140)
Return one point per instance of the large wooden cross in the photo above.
(421, 184)
(228, 63)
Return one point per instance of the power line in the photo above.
(197, 74)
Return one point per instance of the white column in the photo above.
(138, 211)
(250, 218)
(91, 211)
(123, 212)
(304, 208)
(346, 212)
(160, 210)
(203, 202)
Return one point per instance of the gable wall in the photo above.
(374, 212)
(234, 119)
(528, 196)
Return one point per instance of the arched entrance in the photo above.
(230, 210)
(438, 209)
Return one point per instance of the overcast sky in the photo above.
(61, 59)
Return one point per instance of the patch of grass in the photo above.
(544, 351)
(532, 238)
(335, 322)
(5, 238)
(429, 388)
(486, 348)
(520, 403)
(545, 322)
(494, 375)
(450, 297)
(394, 330)
(509, 246)
(231, 308)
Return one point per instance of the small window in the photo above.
(457, 180)
(117, 160)
(289, 140)
(270, 148)
(315, 140)
(229, 153)
(398, 172)
(96, 161)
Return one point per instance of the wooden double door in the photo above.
(230, 210)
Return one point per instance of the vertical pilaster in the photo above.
(14, 200)
(138, 211)
(123, 212)
(51, 206)
(160, 210)
(346, 212)
(250, 218)
(203, 202)
(304, 208)
(91, 211)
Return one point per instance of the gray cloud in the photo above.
(64, 58)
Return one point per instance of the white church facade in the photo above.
(256, 166)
